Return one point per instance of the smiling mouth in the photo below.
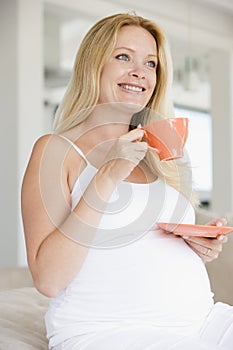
(132, 87)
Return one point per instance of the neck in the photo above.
(104, 125)
(108, 121)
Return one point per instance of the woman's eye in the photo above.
(122, 57)
(151, 64)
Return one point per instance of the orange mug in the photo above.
(167, 137)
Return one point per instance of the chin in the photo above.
(130, 107)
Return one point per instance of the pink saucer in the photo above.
(195, 230)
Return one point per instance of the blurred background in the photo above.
(39, 40)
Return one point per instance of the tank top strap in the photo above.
(80, 152)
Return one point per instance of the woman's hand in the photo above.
(125, 154)
(208, 248)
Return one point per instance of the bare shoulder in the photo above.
(45, 141)
(40, 147)
(56, 155)
(52, 147)
(52, 170)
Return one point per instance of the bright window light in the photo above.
(199, 148)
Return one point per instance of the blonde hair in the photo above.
(84, 88)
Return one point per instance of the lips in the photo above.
(131, 87)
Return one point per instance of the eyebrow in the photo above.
(132, 50)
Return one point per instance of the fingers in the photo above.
(207, 248)
(133, 135)
(206, 254)
(132, 145)
(125, 154)
(222, 238)
(210, 244)
(218, 222)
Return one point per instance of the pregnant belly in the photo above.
(157, 279)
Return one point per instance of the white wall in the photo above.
(221, 64)
(8, 134)
(21, 100)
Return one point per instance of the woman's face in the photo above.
(129, 75)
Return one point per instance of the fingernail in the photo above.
(185, 237)
(220, 238)
(219, 223)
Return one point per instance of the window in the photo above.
(199, 149)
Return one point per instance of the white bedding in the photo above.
(22, 319)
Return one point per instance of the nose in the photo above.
(138, 75)
(137, 72)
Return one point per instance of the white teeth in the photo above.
(132, 88)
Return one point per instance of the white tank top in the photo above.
(133, 274)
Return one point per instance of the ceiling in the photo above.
(59, 8)
(224, 5)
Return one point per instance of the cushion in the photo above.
(22, 319)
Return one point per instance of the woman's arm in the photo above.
(54, 254)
